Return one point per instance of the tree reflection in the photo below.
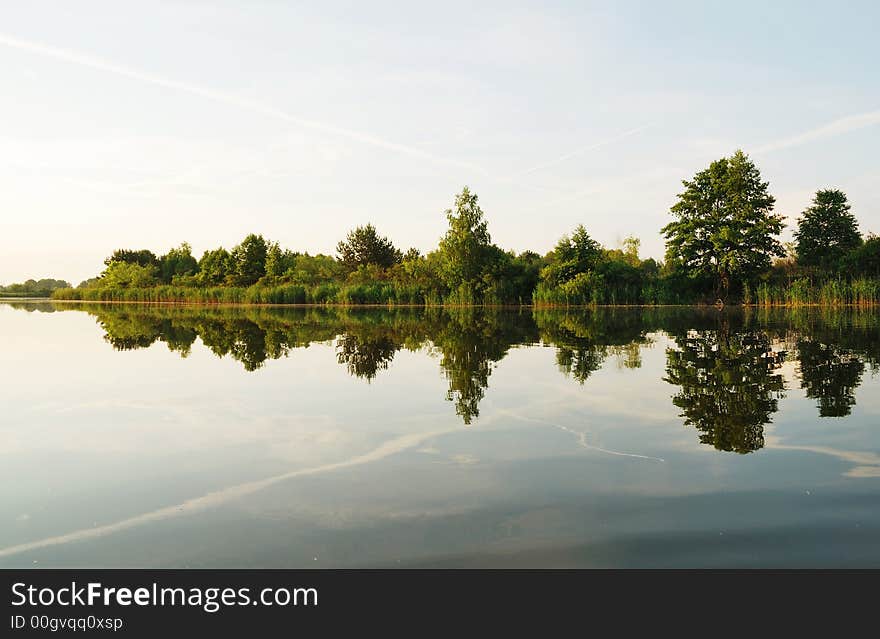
(580, 362)
(724, 364)
(131, 330)
(469, 341)
(729, 387)
(466, 341)
(585, 338)
(364, 356)
(830, 375)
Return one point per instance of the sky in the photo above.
(146, 124)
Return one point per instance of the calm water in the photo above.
(185, 436)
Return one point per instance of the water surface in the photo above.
(173, 436)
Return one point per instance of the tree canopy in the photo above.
(33, 288)
(724, 223)
(575, 254)
(214, 267)
(248, 260)
(129, 275)
(141, 257)
(177, 262)
(826, 231)
(364, 246)
(464, 249)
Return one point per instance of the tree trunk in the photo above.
(723, 286)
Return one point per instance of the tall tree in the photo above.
(631, 246)
(363, 246)
(279, 261)
(142, 257)
(865, 260)
(249, 260)
(465, 247)
(178, 261)
(827, 231)
(215, 266)
(575, 254)
(725, 226)
(274, 256)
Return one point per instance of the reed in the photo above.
(832, 292)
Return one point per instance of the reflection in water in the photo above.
(726, 365)
(216, 498)
(469, 342)
(349, 454)
(584, 340)
(364, 356)
(830, 375)
(730, 385)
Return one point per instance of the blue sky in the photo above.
(147, 124)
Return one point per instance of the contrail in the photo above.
(582, 438)
(253, 106)
(571, 154)
(841, 125)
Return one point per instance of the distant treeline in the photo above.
(722, 244)
(33, 288)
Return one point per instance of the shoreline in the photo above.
(871, 305)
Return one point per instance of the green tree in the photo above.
(91, 282)
(178, 261)
(249, 260)
(278, 261)
(573, 255)
(215, 267)
(621, 277)
(142, 257)
(865, 260)
(128, 275)
(363, 246)
(273, 260)
(522, 275)
(464, 249)
(314, 269)
(34, 288)
(827, 231)
(725, 226)
(631, 246)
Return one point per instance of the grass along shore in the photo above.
(800, 292)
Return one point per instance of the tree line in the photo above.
(722, 244)
(33, 288)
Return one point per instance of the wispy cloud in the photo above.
(219, 497)
(617, 183)
(245, 104)
(836, 127)
(579, 151)
(865, 463)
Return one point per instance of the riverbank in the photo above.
(863, 293)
